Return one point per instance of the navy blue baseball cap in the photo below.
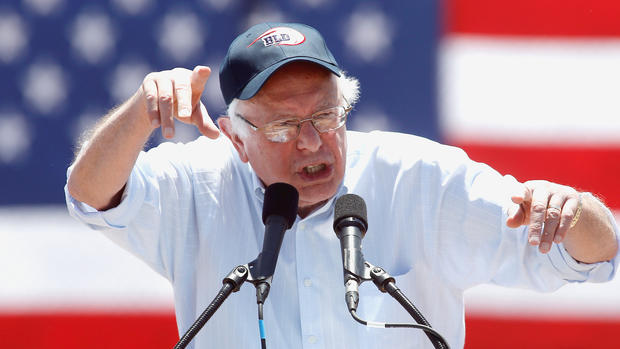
(257, 53)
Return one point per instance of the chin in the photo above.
(312, 196)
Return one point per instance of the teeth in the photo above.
(314, 169)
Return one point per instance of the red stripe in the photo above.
(154, 331)
(488, 332)
(93, 331)
(595, 170)
(533, 17)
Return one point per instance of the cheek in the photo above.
(270, 161)
(339, 147)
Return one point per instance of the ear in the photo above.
(226, 126)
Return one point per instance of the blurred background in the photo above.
(531, 87)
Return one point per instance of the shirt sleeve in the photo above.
(114, 218)
(150, 220)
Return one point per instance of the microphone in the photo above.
(279, 213)
(350, 226)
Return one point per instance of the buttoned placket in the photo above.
(309, 295)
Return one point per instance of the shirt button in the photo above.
(307, 282)
(312, 339)
(302, 226)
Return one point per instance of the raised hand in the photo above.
(176, 93)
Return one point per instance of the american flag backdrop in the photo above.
(531, 87)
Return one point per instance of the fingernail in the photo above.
(544, 246)
(155, 122)
(534, 239)
(168, 132)
(185, 112)
(557, 239)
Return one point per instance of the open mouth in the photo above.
(313, 169)
(316, 172)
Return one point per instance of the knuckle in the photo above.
(150, 98)
(181, 88)
(165, 98)
(535, 227)
(538, 207)
(553, 214)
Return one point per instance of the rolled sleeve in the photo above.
(575, 271)
(117, 217)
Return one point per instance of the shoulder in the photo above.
(403, 149)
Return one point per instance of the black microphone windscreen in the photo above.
(281, 199)
(350, 205)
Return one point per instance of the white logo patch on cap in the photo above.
(280, 36)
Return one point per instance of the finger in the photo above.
(568, 212)
(183, 94)
(516, 216)
(521, 193)
(552, 220)
(166, 106)
(538, 211)
(198, 79)
(149, 89)
(203, 121)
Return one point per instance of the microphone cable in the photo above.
(262, 291)
(427, 329)
(261, 327)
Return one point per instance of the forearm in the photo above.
(593, 238)
(104, 163)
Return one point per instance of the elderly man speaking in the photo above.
(439, 222)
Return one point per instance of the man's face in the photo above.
(313, 163)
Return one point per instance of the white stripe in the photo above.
(543, 91)
(50, 262)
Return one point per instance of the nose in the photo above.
(309, 138)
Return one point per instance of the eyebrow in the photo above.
(322, 106)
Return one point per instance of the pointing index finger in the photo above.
(199, 78)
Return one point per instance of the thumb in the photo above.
(516, 216)
(198, 79)
(204, 123)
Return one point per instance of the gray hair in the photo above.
(348, 86)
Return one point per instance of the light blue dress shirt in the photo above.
(436, 223)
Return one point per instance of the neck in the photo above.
(305, 211)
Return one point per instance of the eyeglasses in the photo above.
(286, 130)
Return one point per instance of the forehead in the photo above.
(297, 85)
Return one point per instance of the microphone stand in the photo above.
(232, 283)
(386, 283)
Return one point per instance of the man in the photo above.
(438, 222)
